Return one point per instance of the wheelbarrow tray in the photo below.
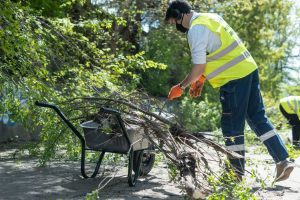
(114, 142)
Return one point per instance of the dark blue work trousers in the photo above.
(241, 100)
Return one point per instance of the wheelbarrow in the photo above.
(126, 140)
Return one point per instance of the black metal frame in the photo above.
(131, 179)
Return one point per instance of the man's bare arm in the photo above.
(196, 72)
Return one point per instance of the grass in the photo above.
(293, 152)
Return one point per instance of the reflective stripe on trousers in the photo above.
(241, 147)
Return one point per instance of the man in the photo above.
(290, 108)
(220, 57)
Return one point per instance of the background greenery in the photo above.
(56, 50)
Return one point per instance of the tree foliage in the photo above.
(56, 50)
(53, 58)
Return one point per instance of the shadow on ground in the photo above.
(61, 180)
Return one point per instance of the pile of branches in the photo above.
(196, 157)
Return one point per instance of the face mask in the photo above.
(181, 28)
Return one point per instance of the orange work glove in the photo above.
(196, 87)
(175, 92)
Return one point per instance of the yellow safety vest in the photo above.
(232, 60)
(291, 105)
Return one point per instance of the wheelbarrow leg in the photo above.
(96, 168)
(133, 178)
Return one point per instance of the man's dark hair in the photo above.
(177, 8)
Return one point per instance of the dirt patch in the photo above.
(22, 179)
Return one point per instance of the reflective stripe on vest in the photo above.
(291, 105)
(230, 61)
(228, 65)
(223, 52)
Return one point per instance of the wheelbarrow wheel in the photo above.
(132, 174)
(147, 162)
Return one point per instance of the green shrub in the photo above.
(200, 115)
(226, 186)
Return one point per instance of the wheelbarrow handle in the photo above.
(64, 118)
(55, 108)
